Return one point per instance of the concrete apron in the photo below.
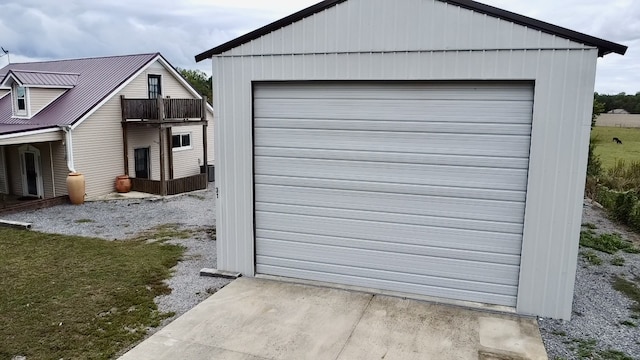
(253, 319)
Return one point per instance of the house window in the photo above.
(21, 100)
(155, 90)
(181, 141)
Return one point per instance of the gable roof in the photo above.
(604, 47)
(97, 79)
(42, 78)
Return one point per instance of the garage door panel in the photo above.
(386, 156)
(376, 109)
(508, 179)
(447, 144)
(382, 215)
(415, 249)
(393, 188)
(485, 91)
(445, 268)
(499, 289)
(474, 240)
(396, 126)
(417, 187)
(402, 204)
(392, 285)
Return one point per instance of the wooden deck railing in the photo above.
(175, 186)
(149, 109)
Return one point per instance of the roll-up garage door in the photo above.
(416, 187)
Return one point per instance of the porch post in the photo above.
(204, 136)
(163, 176)
(163, 184)
(170, 151)
(125, 137)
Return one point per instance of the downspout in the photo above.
(68, 144)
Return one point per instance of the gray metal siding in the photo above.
(564, 81)
(380, 182)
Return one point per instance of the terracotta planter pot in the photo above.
(76, 188)
(123, 184)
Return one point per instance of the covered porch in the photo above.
(150, 137)
(33, 170)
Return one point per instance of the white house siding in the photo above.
(187, 162)
(97, 141)
(14, 171)
(39, 98)
(143, 137)
(424, 40)
(60, 169)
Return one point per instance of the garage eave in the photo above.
(604, 46)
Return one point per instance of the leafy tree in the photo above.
(594, 166)
(198, 79)
(628, 102)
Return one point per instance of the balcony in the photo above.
(163, 110)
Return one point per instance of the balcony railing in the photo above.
(162, 109)
(173, 187)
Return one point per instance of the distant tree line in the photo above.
(630, 103)
(199, 80)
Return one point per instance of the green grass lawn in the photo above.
(78, 298)
(610, 152)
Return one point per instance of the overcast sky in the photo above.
(179, 29)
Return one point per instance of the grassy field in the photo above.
(610, 152)
(78, 298)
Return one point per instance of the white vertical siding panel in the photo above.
(377, 25)
(554, 188)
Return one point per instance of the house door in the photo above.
(31, 171)
(142, 160)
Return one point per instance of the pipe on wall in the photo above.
(68, 146)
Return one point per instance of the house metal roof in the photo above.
(96, 79)
(604, 46)
(43, 78)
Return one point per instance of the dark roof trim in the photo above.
(268, 28)
(604, 47)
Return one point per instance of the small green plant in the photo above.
(84, 221)
(608, 243)
(630, 290)
(628, 323)
(559, 333)
(590, 226)
(613, 355)
(585, 348)
(165, 232)
(617, 261)
(591, 257)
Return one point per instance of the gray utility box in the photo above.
(210, 170)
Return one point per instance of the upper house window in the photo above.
(21, 100)
(154, 86)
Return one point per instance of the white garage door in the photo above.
(404, 186)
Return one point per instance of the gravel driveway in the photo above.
(599, 311)
(126, 218)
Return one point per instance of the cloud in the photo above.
(45, 29)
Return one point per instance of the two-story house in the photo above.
(101, 117)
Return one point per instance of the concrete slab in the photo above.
(252, 319)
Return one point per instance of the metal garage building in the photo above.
(426, 147)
